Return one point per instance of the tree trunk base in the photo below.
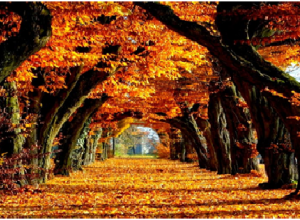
(62, 171)
(270, 185)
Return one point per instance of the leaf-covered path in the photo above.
(150, 188)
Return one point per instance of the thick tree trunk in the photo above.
(220, 134)
(76, 97)
(73, 131)
(86, 159)
(29, 40)
(232, 132)
(205, 127)
(191, 135)
(270, 129)
(90, 148)
(13, 139)
(104, 146)
(243, 144)
(274, 143)
(243, 61)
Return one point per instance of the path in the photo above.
(135, 188)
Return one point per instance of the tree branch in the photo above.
(34, 33)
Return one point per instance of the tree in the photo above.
(244, 62)
(151, 72)
(27, 38)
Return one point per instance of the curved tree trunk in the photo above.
(273, 138)
(74, 99)
(191, 135)
(243, 61)
(29, 40)
(74, 129)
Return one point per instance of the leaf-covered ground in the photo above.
(150, 188)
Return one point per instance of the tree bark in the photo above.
(34, 33)
(270, 128)
(13, 140)
(74, 129)
(86, 157)
(243, 144)
(96, 138)
(244, 64)
(90, 147)
(174, 145)
(76, 97)
(274, 143)
(190, 133)
(12, 144)
(104, 156)
(77, 156)
(220, 134)
(205, 127)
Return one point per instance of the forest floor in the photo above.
(150, 188)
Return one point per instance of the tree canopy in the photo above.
(211, 75)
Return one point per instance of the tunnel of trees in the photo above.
(210, 78)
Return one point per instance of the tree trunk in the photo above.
(274, 143)
(13, 139)
(220, 134)
(273, 140)
(104, 155)
(29, 40)
(183, 153)
(73, 131)
(104, 145)
(90, 147)
(243, 144)
(114, 147)
(75, 98)
(86, 159)
(243, 61)
(190, 134)
(205, 127)
(96, 138)
(174, 145)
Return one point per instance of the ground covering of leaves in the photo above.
(150, 188)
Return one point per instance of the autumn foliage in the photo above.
(162, 151)
(128, 188)
(211, 71)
